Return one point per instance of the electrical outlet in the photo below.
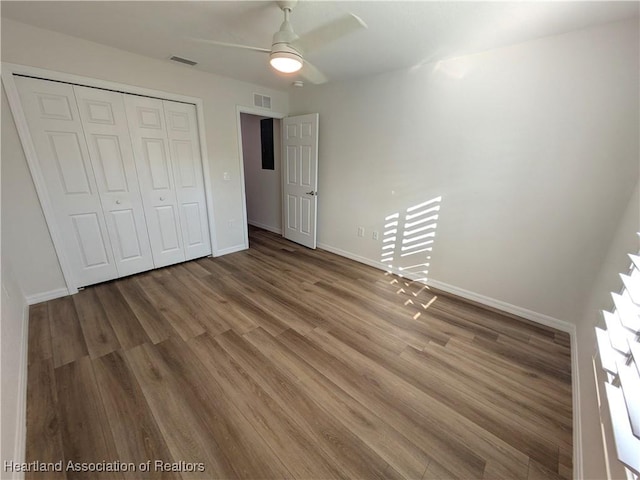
(375, 235)
(230, 223)
(226, 176)
(361, 231)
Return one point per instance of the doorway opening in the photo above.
(261, 161)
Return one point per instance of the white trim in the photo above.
(19, 448)
(206, 170)
(228, 250)
(460, 292)
(10, 69)
(527, 314)
(506, 307)
(44, 296)
(575, 391)
(353, 256)
(13, 68)
(262, 113)
(38, 180)
(265, 227)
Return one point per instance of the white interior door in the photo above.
(107, 134)
(300, 178)
(56, 130)
(182, 130)
(151, 152)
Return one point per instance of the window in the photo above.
(619, 349)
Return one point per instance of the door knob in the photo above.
(118, 202)
(312, 193)
(162, 199)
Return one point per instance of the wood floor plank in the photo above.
(285, 362)
(496, 471)
(288, 441)
(201, 298)
(187, 438)
(565, 463)
(39, 333)
(124, 322)
(125, 406)
(154, 323)
(67, 340)
(390, 392)
(490, 383)
(522, 356)
(539, 472)
(86, 434)
(489, 411)
(196, 269)
(413, 337)
(235, 315)
(44, 441)
(209, 297)
(532, 381)
(391, 445)
(293, 312)
(179, 313)
(97, 331)
(248, 455)
(215, 267)
(239, 302)
(435, 471)
(485, 400)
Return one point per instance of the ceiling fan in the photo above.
(286, 54)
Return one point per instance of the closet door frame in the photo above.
(11, 69)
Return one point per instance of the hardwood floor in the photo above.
(283, 362)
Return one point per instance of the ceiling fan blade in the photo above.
(312, 74)
(330, 32)
(232, 45)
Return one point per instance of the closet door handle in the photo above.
(162, 199)
(118, 202)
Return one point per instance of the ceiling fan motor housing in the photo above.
(285, 58)
(281, 47)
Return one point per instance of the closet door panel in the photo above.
(152, 157)
(182, 129)
(167, 221)
(107, 132)
(56, 130)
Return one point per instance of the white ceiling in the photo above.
(400, 34)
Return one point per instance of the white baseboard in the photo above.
(506, 307)
(460, 292)
(353, 256)
(265, 227)
(44, 296)
(575, 391)
(525, 313)
(228, 250)
(21, 416)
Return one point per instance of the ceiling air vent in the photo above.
(183, 60)
(261, 101)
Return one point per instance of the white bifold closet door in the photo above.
(155, 172)
(107, 134)
(123, 174)
(182, 130)
(56, 130)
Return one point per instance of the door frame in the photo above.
(11, 69)
(261, 113)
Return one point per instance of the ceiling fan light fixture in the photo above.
(286, 60)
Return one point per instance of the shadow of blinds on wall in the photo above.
(619, 349)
